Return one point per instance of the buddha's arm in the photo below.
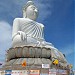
(16, 30)
(42, 31)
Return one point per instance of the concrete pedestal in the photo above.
(34, 57)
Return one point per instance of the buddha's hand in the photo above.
(23, 35)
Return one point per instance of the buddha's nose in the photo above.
(36, 10)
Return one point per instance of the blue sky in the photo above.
(57, 17)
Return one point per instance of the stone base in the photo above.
(20, 67)
(31, 63)
(34, 57)
(28, 52)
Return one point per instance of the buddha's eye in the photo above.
(33, 8)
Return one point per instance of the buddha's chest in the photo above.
(30, 26)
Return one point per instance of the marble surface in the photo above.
(28, 32)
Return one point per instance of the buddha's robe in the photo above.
(33, 32)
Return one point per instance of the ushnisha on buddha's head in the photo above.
(30, 11)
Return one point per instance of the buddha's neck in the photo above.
(29, 18)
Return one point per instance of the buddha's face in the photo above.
(31, 12)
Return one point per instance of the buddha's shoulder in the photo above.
(41, 24)
(21, 19)
(28, 20)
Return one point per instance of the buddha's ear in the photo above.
(24, 13)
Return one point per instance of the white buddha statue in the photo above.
(26, 31)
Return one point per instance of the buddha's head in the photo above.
(30, 11)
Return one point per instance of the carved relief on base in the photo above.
(28, 52)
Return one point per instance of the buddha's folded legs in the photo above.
(18, 42)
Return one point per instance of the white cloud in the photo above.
(5, 38)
